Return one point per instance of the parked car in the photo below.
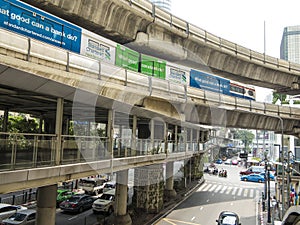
(108, 186)
(228, 218)
(77, 203)
(272, 177)
(6, 210)
(253, 177)
(105, 203)
(63, 195)
(24, 217)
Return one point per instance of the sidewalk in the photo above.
(263, 215)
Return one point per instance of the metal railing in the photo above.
(23, 150)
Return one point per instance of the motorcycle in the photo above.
(223, 173)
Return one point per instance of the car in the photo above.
(24, 217)
(253, 178)
(219, 161)
(105, 203)
(228, 162)
(77, 203)
(253, 169)
(63, 195)
(6, 210)
(228, 218)
(234, 162)
(108, 186)
(272, 177)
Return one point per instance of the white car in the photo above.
(6, 210)
(105, 203)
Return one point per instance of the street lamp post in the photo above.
(269, 206)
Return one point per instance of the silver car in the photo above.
(24, 217)
(6, 210)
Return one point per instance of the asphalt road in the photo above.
(216, 195)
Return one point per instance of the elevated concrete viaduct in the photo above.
(151, 30)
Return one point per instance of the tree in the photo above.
(246, 137)
(20, 124)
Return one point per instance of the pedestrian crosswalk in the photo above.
(227, 189)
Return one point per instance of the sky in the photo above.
(247, 23)
(256, 24)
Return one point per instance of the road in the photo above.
(218, 194)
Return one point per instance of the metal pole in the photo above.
(269, 207)
(282, 159)
(288, 180)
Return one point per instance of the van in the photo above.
(253, 169)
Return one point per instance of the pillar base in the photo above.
(170, 193)
(120, 220)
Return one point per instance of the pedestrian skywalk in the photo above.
(230, 189)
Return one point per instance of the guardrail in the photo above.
(23, 150)
(194, 32)
(150, 86)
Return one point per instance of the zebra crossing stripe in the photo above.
(207, 187)
(251, 193)
(202, 187)
(223, 189)
(234, 190)
(213, 188)
(228, 190)
(240, 192)
(246, 192)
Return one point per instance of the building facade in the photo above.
(164, 4)
(290, 44)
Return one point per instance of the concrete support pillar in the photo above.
(152, 124)
(120, 214)
(46, 205)
(166, 137)
(148, 188)
(185, 139)
(176, 139)
(133, 135)
(198, 140)
(110, 135)
(58, 129)
(5, 120)
(170, 192)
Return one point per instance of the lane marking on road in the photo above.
(193, 218)
(74, 217)
(174, 222)
(201, 208)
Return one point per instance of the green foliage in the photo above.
(281, 97)
(245, 136)
(20, 124)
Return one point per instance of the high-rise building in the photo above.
(164, 4)
(290, 51)
(290, 44)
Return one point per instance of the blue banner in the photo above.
(32, 22)
(209, 82)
